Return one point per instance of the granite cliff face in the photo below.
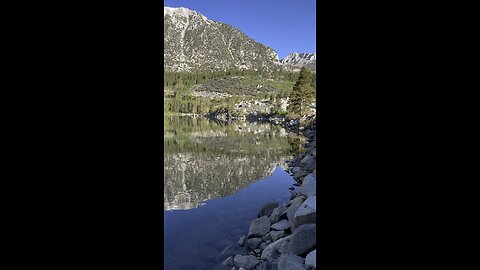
(299, 60)
(193, 42)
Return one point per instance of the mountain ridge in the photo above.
(192, 42)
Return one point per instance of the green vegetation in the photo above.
(209, 93)
(303, 94)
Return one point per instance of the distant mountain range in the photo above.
(298, 60)
(192, 42)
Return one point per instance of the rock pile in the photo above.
(283, 236)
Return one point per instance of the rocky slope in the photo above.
(193, 42)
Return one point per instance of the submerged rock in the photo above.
(242, 240)
(228, 262)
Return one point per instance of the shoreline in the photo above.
(283, 236)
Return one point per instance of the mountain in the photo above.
(193, 42)
(298, 60)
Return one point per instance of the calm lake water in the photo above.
(217, 177)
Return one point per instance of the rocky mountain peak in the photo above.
(299, 59)
(194, 42)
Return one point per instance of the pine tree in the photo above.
(303, 93)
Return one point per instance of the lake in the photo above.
(217, 176)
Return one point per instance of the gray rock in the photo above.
(263, 245)
(279, 213)
(303, 240)
(248, 262)
(241, 241)
(296, 169)
(296, 203)
(310, 165)
(275, 235)
(272, 250)
(290, 262)
(267, 209)
(253, 243)
(299, 174)
(257, 251)
(228, 262)
(266, 237)
(283, 248)
(259, 227)
(265, 266)
(307, 212)
(306, 159)
(281, 225)
(311, 259)
(309, 186)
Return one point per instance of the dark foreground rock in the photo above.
(303, 239)
(290, 262)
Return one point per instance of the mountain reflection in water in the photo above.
(204, 159)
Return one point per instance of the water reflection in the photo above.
(204, 159)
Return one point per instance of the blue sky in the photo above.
(284, 25)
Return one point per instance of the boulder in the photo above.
(265, 266)
(311, 259)
(290, 262)
(303, 240)
(299, 174)
(275, 235)
(272, 250)
(292, 209)
(259, 227)
(310, 165)
(295, 170)
(306, 159)
(248, 262)
(267, 209)
(307, 212)
(278, 213)
(253, 243)
(281, 225)
(309, 186)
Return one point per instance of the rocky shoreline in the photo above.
(283, 236)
